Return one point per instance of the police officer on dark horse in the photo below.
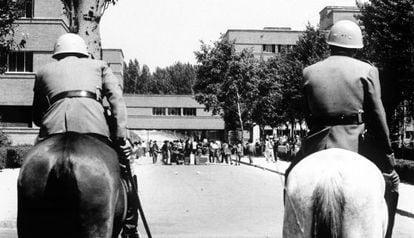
(74, 158)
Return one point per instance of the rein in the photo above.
(287, 198)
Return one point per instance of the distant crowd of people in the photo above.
(216, 151)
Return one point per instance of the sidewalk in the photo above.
(405, 204)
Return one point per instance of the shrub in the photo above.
(12, 156)
(4, 139)
(405, 169)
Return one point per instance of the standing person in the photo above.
(269, 150)
(345, 109)
(150, 148)
(155, 150)
(68, 98)
(258, 148)
(239, 152)
(251, 150)
(211, 157)
(227, 153)
(165, 151)
(215, 151)
(275, 148)
(135, 151)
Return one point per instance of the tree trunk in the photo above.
(89, 31)
(240, 116)
(84, 17)
(88, 17)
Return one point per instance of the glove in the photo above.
(392, 180)
(124, 146)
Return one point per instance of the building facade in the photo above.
(180, 114)
(36, 32)
(35, 35)
(331, 14)
(263, 43)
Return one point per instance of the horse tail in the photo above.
(62, 193)
(328, 208)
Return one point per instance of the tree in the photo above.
(310, 48)
(181, 78)
(227, 82)
(131, 76)
(143, 80)
(159, 82)
(389, 43)
(84, 17)
(10, 11)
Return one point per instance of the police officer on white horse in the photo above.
(68, 98)
(344, 108)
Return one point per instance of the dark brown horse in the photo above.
(70, 186)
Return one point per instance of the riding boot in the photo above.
(130, 225)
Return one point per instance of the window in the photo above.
(269, 48)
(29, 8)
(19, 61)
(189, 112)
(282, 48)
(174, 111)
(158, 111)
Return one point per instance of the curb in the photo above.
(261, 167)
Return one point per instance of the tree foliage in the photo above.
(175, 79)
(389, 43)
(268, 92)
(131, 76)
(227, 82)
(310, 48)
(84, 18)
(10, 11)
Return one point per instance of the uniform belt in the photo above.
(332, 120)
(75, 94)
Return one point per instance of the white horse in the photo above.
(335, 193)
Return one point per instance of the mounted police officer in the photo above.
(68, 97)
(344, 108)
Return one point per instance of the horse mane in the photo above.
(328, 208)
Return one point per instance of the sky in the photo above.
(159, 33)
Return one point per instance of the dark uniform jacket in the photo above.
(83, 115)
(342, 87)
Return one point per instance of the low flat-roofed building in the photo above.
(264, 43)
(178, 113)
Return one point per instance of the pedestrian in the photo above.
(251, 147)
(166, 152)
(258, 148)
(345, 110)
(275, 148)
(68, 97)
(154, 150)
(135, 151)
(239, 152)
(211, 157)
(226, 153)
(269, 150)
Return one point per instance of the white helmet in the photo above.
(70, 43)
(346, 34)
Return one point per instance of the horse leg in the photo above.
(33, 212)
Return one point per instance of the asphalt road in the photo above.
(211, 201)
(214, 200)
